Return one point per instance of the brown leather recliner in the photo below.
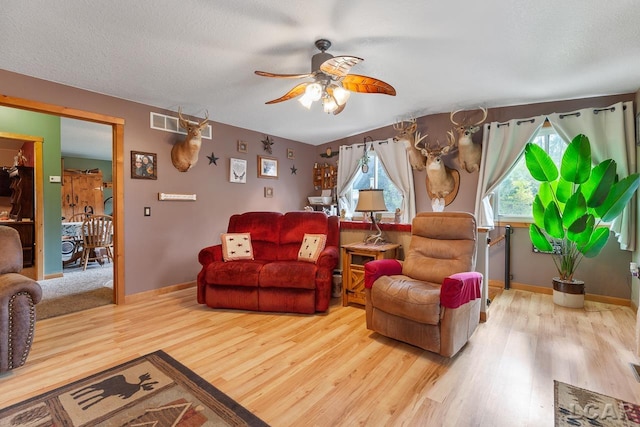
(432, 299)
(18, 298)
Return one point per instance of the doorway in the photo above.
(27, 221)
(117, 130)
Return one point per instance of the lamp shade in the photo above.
(371, 201)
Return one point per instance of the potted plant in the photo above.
(570, 207)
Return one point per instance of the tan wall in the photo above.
(161, 250)
(608, 273)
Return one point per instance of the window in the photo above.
(514, 196)
(376, 177)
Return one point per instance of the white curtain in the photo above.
(610, 130)
(502, 145)
(347, 169)
(395, 161)
(611, 133)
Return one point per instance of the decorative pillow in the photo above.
(236, 246)
(312, 246)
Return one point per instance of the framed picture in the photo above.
(242, 147)
(268, 192)
(267, 167)
(290, 154)
(144, 165)
(238, 170)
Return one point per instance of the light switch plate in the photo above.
(147, 211)
(54, 178)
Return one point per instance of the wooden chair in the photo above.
(97, 233)
(79, 217)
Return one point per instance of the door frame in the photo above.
(117, 125)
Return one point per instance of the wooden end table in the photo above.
(354, 257)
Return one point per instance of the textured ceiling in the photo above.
(439, 55)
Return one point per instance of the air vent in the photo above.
(170, 124)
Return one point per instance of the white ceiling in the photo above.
(439, 55)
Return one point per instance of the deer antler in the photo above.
(451, 137)
(453, 113)
(484, 116)
(399, 126)
(184, 122)
(205, 120)
(419, 140)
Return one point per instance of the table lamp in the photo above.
(372, 201)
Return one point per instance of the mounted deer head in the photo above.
(469, 154)
(184, 154)
(410, 139)
(440, 179)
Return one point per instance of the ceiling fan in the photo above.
(331, 83)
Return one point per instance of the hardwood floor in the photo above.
(329, 370)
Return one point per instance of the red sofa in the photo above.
(274, 280)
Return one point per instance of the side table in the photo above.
(354, 257)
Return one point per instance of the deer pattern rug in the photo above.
(151, 390)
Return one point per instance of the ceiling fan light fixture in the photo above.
(314, 91)
(329, 104)
(306, 101)
(341, 95)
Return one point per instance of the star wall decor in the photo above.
(213, 159)
(267, 143)
(294, 170)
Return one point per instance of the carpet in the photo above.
(74, 302)
(76, 290)
(575, 406)
(152, 390)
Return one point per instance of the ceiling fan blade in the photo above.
(284, 76)
(365, 84)
(296, 91)
(339, 66)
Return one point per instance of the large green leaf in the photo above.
(539, 164)
(576, 161)
(575, 208)
(564, 189)
(596, 243)
(580, 231)
(538, 211)
(538, 239)
(553, 221)
(618, 197)
(599, 184)
(546, 192)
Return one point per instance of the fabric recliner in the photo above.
(18, 297)
(432, 298)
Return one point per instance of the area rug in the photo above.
(575, 406)
(152, 390)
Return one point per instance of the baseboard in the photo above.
(53, 276)
(142, 296)
(549, 291)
